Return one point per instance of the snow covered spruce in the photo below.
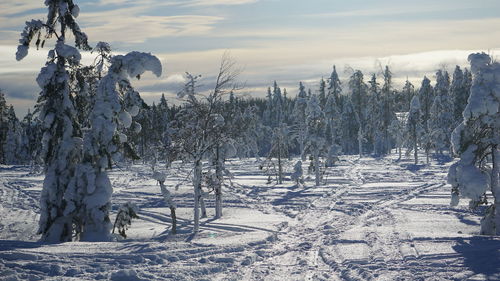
(477, 142)
(76, 193)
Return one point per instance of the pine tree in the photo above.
(414, 128)
(441, 117)
(299, 119)
(116, 103)
(459, 92)
(373, 128)
(426, 98)
(476, 140)
(387, 112)
(359, 99)
(13, 141)
(4, 125)
(62, 136)
(315, 133)
(334, 88)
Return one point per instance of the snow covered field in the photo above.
(373, 219)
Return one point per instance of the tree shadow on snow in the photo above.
(10, 245)
(481, 254)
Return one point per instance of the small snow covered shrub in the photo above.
(297, 173)
(126, 213)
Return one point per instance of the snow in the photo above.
(369, 219)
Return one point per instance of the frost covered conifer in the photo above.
(333, 123)
(477, 142)
(61, 139)
(459, 92)
(335, 88)
(349, 127)
(12, 146)
(299, 119)
(387, 112)
(374, 111)
(441, 116)
(414, 127)
(315, 133)
(297, 173)
(359, 99)
(126, 213)
(116, 102)
(426, 98)
(4, 125)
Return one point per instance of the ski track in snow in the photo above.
(373, 219)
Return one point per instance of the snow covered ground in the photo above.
(373, 219)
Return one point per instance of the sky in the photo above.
(283, 40)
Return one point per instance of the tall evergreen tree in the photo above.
(62, 136)
(315, 133)
(426, 98)
(441, 117)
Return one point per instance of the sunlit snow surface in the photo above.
(373, 219)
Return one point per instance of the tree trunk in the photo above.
(197, 195)
(202, 205)
(171, 205)
(174, 220)
(218, 187)
(415, 146)
(495, 186)
(360, 142)
(280, 169)
(317, 170)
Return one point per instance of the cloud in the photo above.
(9, 8)
(114, 26)
(217, 2)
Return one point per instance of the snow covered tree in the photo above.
(441, 116)
(373, 126)
(414, 127)
(333, 123)
(299, 119)
(167, 197)
(281, 141)
(322, 93)
(349, 128)
(4, 125)
(200, 127)
(387, 112)
(459, 92)
(426, 98)
(477, 142)
(126, 213)
(359, 99)
(116, 102)
(403, 97)
(62, 136)
(315, 133)
(335, 88)
(33, 136)
(397, 131)
(12, 146)
(297, 173)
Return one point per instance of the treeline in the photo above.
(360, 117)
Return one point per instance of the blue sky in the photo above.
(288, 41)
